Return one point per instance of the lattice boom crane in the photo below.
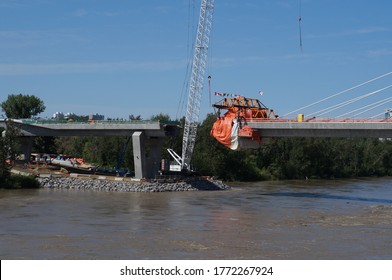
(197, 81)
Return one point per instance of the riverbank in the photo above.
(193, 184)
(55, 179)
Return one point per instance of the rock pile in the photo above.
(129, 186)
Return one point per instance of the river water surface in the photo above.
(350, 219)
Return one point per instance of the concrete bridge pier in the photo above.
(139, 154)
(26, 144)
(146, 166)
(154, 156)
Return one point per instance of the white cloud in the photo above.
(22, 3)
(360, 31)
(84, 13)
(11, 4)
(68, 68)
(33, 38)
(79, 13)
(380, 52)
(232, 61)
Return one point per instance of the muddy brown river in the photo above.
(340, 219)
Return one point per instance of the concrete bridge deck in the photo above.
(375, 129)
(97, 128)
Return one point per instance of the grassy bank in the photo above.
(19, 182)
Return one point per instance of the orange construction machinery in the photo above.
(232, 130)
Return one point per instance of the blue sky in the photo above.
(130, 57)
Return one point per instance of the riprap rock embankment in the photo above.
(129, 186)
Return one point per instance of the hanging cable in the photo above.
(337, 94)
(375, 116)
(209, 89)
(335, 107)
(338, 106)
(380, 102)
(385, 102)
(190, 43)
(210, 64)
(299, 24)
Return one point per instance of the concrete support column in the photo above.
(26, 144)
(154, 156)
(146, 167)
(139, 154)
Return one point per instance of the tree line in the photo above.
(277, 159)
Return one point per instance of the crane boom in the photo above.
(197, 81)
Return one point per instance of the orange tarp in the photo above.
(221, 130)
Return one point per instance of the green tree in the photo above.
(8, 152)
(209, 157)
(160, 117)
(21, 106)
(174, 142)
(26, 106)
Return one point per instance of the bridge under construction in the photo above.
(250, 133)
(143, 133)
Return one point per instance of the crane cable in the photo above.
(299, 25)
(210, 65)
(209, 88)
(339, 93)
(185, 85)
